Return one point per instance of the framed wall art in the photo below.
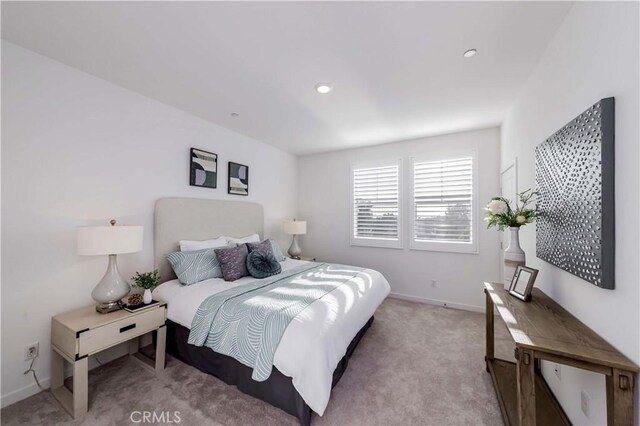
(238, 179)
(204, 169)
(575, 183)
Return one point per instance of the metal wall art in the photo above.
(575, 180)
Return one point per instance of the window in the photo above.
(376, 212)
(443, 214)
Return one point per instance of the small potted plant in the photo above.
(147, 281)
(500, 213)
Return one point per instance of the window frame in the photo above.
(441, 246)
(376, 242)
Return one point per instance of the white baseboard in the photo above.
(24, 392)
(442, 303)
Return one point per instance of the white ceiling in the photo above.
(396, 68)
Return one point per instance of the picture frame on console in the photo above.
(522, 282)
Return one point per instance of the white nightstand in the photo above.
(77, 334)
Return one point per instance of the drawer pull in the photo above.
(127, 328)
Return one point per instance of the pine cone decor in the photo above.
(134, 299)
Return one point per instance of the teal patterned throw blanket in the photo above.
(247, 322)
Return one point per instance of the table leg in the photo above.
(489, 329)
(76, 402)
(57, 370)
(620, 398)
(80, 387)
(161, 342)
(134, 345)
(526, 387)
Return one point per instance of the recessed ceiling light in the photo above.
(235, 114)
(470, 53)
(323, 88)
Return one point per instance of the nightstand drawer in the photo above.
(96, 339)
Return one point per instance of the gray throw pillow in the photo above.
(261, 246)
(195, 266)
(277, 251)
(233, 262)
(262, 264)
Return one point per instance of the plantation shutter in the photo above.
(376, 203)
(443, 201)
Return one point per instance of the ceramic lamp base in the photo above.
(105, 308)
(111, 288)
(294, 251)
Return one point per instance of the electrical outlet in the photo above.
(31, 351)
(434, 283)
(556, 369)
(584, 403)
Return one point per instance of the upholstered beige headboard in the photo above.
(178, 219)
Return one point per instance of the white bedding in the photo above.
(317, 338)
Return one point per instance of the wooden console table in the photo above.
(543, 330)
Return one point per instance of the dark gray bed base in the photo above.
(277, 390)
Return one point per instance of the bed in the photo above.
(315, 348)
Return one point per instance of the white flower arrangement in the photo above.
(501, 214)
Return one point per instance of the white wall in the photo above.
(78, 150)
(594, 55)
(324, 201)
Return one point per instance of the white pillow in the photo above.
(187, 245)
(253, 238)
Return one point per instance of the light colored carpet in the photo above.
(417, 365)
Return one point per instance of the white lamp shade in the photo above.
(295, 227)
(97, 240)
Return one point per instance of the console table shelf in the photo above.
(504, 375)
(543, 330)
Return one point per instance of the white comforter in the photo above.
(317, 338)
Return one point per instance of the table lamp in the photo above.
(109, 240)
(295, 228)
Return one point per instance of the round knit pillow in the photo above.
(262, 264)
